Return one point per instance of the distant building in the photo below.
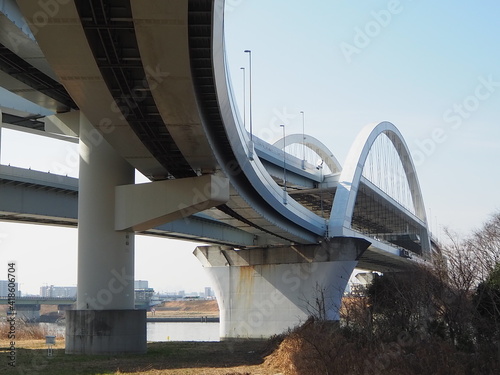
(142, 292)
(359, 282)
(208, 292)
(4, 289)
(141, 284)
(51, 291)
(143, 296)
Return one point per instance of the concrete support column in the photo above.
(1, 123)
(105, 256)
(28, 313)
(104, 321)
(263, 292)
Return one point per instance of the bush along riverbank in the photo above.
(438, 319)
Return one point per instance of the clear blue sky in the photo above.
(431, 68)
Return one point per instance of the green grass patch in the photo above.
(161, 358)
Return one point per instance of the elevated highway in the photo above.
(144, 86)
(45, 198)
(39, 301)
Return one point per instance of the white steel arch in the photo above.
(313, 144)
(345, 197)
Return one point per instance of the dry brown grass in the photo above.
(33, 344)
(25, 331)
(172, 358)
(187, 309)
(322, 349)
(316, 348)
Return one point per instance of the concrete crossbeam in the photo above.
(145, 206)
(67, 123)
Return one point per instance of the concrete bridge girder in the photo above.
(162, 36)
(28, 313)
(77, 70)
(21, 47)
(31, 196)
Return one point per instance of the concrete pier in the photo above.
(28, 313)
(262, 292)
(104, 321)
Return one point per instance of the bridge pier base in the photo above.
(105, 331)
(263, 292)
(104, 321)
(28, 313)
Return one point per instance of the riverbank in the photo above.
(165, 358)
(181, 319)
(186, 309)
(169, 311)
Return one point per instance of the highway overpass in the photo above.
(144, 86)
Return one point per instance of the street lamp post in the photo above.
(303, 141)
(284, 166)
(244, 99)
(250, 88)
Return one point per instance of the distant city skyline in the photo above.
(52, 290)
(4, 288)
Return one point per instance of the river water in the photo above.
(183, 331)
(164, 331)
